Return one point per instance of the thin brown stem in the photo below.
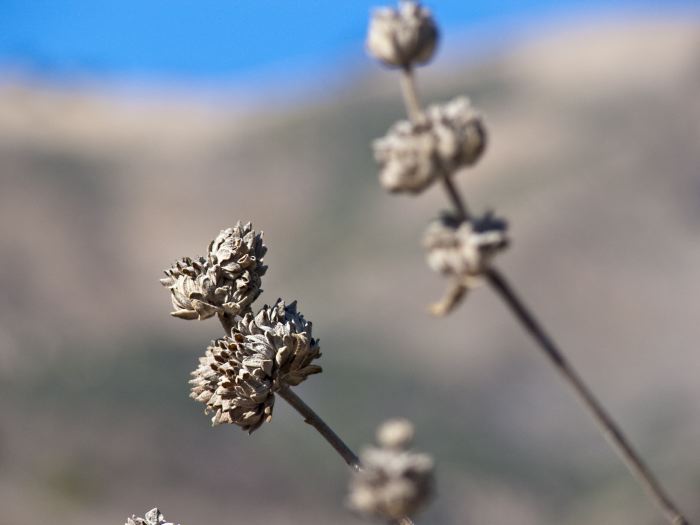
(313, 419)
(499, 283)
(414, 112)
(607, 425)
(455, 196)
(227, 321)
(410, 94)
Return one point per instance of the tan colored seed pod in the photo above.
(227, 281)
(394, 481)
(464, 249)
(152, 517)
(402, 37)
(444, 139)
(239, 375)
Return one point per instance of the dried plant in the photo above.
(433, 146)
(152, 517)
(394, 481)
(262, 354)
(266, 353)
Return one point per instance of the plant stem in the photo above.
(607, 425)
(227, 321)
(455, 196)
(414, 112)
(313, 419)
(499, 283)
(410, 94)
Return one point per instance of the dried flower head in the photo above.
(464, 249)
(238, 375)
(152, 517)
(227, 281)
(402, 37)
(444, 139)
(394, 482)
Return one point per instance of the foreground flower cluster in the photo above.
(239, 374)
(225, 282)
(263, 352)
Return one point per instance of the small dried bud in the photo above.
(402, 37)
(413, 154)
(227, 281)
(461, 135)
(152, 517)
(238, 375)
(464, 250)
(395, 433)
(236, 257)
(394, 482)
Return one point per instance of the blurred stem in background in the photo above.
(501, 286)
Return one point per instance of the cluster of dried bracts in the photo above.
(267, 352)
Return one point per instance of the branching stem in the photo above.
(313, 419)
(410, 94)
(607, 425)
(501, 286)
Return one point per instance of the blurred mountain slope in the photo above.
(593, 158)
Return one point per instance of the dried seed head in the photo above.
(413, 154)
(402, 37)
(238, 375)
(152, 517)
(395, 433)
(461, 135)
(227, 281)
(464, 250)
(394, 482)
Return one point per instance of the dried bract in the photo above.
(464, 249)
(394, 482)
(444, 139)
(152, 517)
(227, 281)
(238, 375)
(460, 132)
(402, 37)
(191, 288)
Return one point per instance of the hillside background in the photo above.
(595, 160)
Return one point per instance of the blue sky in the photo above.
(209, 40)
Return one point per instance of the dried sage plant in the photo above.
(268, 352)
(433, 145)
(152, 517)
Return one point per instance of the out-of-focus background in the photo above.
(132, 132)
